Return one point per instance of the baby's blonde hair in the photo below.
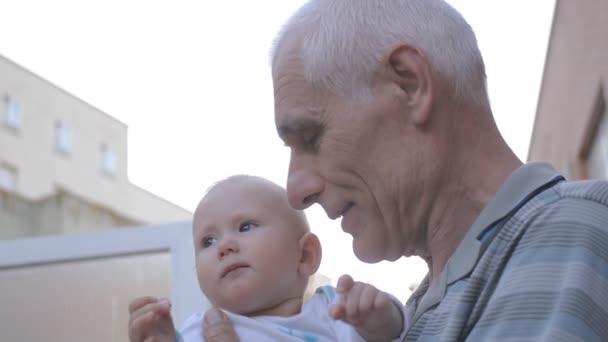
(298, 215)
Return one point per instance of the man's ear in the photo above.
(412, 72)
(310, 257)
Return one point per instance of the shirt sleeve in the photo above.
(404, 317)
(553, 285)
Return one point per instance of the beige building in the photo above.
(571, 127)
(63, 164)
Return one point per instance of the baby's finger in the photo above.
(337, 311)
(345, 283)
(368, 300)
(382, 300)
(352, 303)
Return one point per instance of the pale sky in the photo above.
(192, 81)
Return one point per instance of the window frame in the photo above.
(63, 138)
(11, 116)
(176, 239)
(107, 160)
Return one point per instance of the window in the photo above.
(12, 112)
(108, 160)
(597, 165)
(63, 138)
(8, 178)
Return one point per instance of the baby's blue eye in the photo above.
(245, 227)
(208, 241)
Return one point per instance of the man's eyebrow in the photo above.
(295, 124)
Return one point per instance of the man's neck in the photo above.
(473, 183)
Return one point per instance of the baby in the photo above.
(254, 256)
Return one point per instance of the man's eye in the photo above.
(311, 139)
(208, 241)
(310, 136)
(247, 226)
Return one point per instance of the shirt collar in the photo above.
(522, 184)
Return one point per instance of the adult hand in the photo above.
(217, 327)
(150, 320)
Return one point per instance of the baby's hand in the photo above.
(150, 320)
(372, 312)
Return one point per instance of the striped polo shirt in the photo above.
(532, 267)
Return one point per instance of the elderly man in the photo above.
(384, 107)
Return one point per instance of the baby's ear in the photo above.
(310, 258)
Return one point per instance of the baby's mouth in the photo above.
(231, 268)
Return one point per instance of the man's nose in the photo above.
(227, 246)
(304, 184)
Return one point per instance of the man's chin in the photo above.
(368, 254)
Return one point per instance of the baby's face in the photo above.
(247, 249)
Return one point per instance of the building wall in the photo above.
(574, 87)
(58, 214)
(45, 176)
(32, 147)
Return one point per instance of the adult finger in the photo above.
(140, 302)
(160, 307)
(151, 326)
(217, 327)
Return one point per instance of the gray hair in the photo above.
(343, 42)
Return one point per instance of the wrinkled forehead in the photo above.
(295, 94)
(291, 89)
